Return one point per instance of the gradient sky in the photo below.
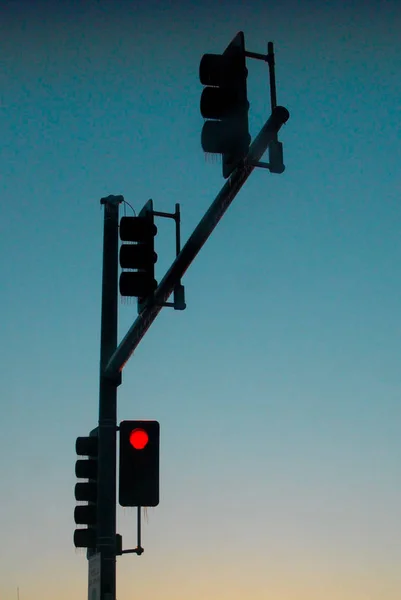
(278, 389)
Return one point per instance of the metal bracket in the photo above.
(262, 165)
(269, 166)
(119, 540)
(139, 550)
(269, 58)
(179, 290)
(179, 298)
(119, 549)
(276, 164)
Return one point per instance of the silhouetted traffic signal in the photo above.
(139, 463)
(225, 102)
(140, 257)
(86, 514)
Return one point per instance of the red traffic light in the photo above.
(138, 439)
(139, 463)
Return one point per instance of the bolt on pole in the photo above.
(106, 501)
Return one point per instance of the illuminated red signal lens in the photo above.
(138, 439)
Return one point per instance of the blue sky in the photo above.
(278, 388)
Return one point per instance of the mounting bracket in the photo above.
(119, 540)
(276, 164)
(179, 291)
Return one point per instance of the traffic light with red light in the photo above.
(86, 514)
(225, 102)
(139, 463)
(140, 255)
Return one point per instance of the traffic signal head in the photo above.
(86, 514)
(225, 102)
(140, 255)
(139, 463)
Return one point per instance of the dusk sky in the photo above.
(278, 389)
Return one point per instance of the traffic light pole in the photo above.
(195, 242)
(106, 496)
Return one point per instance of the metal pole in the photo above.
(272, 75)
(202, 231)
(138, 522)
(106, 501)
